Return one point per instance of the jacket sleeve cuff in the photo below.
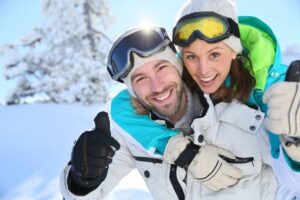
(67, 192)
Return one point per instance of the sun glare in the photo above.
(147, 24)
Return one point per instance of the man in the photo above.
(152, 72)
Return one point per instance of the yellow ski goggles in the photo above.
(208, 26)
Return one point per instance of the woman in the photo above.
(209, 35)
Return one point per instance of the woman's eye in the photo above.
(215, 54)
(191, 57)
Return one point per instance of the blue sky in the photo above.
(18, 18)
(284, 17)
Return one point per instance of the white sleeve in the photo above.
(288, 180)
(285, 175)
(121, 165)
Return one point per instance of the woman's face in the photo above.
(208, 64)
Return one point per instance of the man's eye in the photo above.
(162, 67)
(137, 80)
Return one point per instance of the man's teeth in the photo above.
(163, 97)
(208, 78)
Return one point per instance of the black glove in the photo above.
(293, 72)
(91, 156)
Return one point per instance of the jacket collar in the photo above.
(160, 120)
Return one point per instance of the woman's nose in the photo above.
(203, 67)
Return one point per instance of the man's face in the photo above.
(158, 86)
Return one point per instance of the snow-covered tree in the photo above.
(64, 59)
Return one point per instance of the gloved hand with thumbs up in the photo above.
(92, 155)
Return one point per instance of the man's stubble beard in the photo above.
(165, 112)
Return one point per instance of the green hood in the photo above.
(260, 44)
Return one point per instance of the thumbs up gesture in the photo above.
(92, 154)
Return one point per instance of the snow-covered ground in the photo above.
(35, 145)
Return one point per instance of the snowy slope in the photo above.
(35, 144)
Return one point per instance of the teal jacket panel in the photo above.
(147, 132)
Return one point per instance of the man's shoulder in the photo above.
(123, 95)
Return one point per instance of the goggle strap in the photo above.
(234, 27)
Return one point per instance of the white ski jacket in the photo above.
(234, 127)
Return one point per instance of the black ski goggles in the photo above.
(140, 41)
(208, 26)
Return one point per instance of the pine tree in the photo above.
(64, 59)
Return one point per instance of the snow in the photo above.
(63, 58)
(35, 144)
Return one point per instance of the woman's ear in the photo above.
(234, 55)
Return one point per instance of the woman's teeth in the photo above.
(207, 79)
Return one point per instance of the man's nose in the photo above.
(157, 84)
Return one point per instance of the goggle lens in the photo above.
(210, 27)
(141, 42)
(207, 26)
